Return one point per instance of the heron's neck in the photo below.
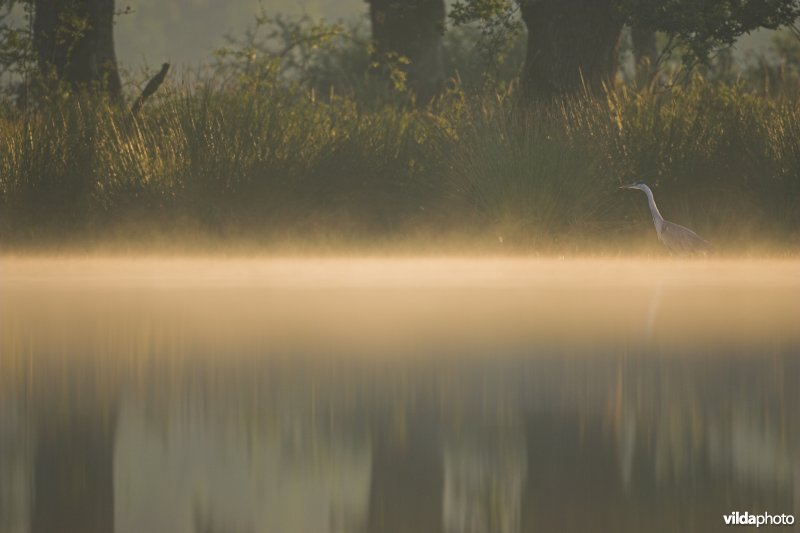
(658, 220)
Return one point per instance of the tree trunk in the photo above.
(412, 29)
(572, 45)
(74, 42)
(571, 465)
(74, 416)
(74, 475)
(407, 485)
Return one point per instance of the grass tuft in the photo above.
(259, 161)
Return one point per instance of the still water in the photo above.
(385, 395)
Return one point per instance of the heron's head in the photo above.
(635, 185)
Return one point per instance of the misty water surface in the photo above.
(370, 394)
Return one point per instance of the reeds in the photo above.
(260, 160)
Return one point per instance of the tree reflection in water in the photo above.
(429, 395)
(523, 444)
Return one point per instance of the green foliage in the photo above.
(703, 26)
(530, 173)
(288, 47)
(497, 21)
(477, 71)
(328, 59)
(778, 72)
(339, 59)
(16, 52)
(46, 159)
(222, 159)
(722, 155)
(696, 28)
(274, 161)
(722, 160)
(293, 135)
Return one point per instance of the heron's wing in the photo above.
(683, 240)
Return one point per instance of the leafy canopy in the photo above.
(701, 26)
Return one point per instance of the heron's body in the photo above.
(677, 238)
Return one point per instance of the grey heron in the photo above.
(677, 238)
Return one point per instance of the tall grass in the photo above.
(724, 159)
(529, 174)
(219, 160)
(260, 161)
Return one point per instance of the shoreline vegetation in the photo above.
(280, 154)
(267, 165)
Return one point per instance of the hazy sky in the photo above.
(187, 31)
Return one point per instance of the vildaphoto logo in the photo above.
(765, 519)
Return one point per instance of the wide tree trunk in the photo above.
(407, 485)
(74, 413)
(572, 45)
(74, 475)
(571, 466)
(412, 29)
(74, 42)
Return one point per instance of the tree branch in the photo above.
(151, 87)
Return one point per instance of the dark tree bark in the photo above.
(74, 41)
(74, 476)
(406, 491)
(571, 466)
(572, 45)
(74, 416)
(413, 29)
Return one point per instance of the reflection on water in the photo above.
(396, 395)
